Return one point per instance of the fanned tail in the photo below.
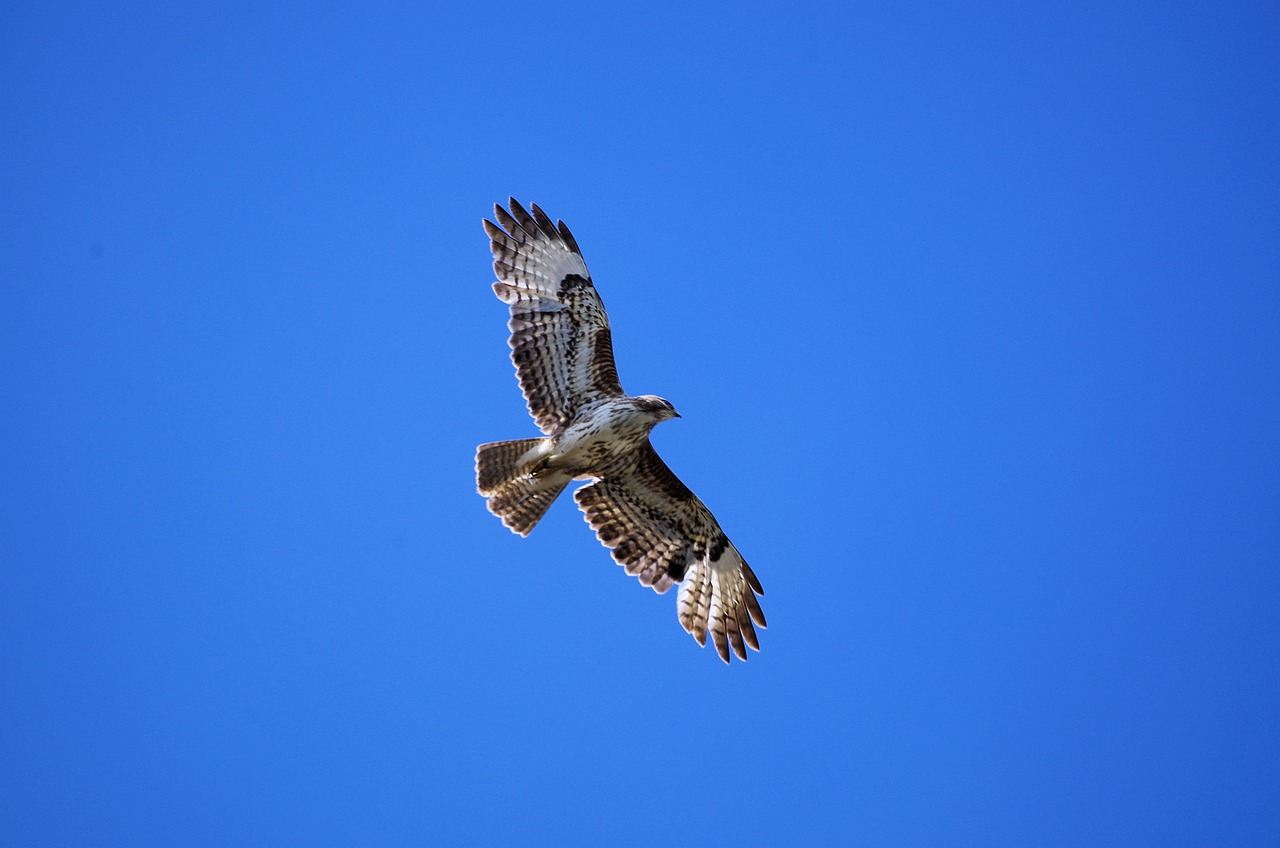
(517, 490)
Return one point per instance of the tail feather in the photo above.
(498, 463)
(523, 504)
(517, 493)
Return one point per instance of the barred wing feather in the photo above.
(660, 532)
(560, 339)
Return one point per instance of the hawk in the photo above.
(655, 527)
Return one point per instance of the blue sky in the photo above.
(970, 311)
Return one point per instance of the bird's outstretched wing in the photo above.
(560, 340)
(660, 532)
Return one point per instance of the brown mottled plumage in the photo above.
(656, 528)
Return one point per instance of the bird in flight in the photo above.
(656, 528)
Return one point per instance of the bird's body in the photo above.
(606, 431)
(562, 348)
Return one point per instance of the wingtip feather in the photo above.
(569, 240)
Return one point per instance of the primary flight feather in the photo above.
(655, 527)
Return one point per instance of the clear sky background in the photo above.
(971, 313)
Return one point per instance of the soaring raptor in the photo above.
(657, 529)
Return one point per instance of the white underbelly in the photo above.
(597, 441)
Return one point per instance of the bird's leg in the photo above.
(539, 468)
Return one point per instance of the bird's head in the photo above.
(660, 408)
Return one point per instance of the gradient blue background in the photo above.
(971, 312)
